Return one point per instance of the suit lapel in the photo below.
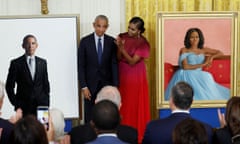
(106, 47)
(93, 47)
(38, 64)
(26, 69)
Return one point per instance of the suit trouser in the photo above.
(88, 104)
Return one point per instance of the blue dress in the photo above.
(203, 84)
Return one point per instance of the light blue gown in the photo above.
(203, 84)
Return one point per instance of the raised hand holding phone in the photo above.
(43, 114)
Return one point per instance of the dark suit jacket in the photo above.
(90, 71)
(222, 136)
(7, 128)
(107, 140)
(30, 93)
(160, 131)
(85, 133)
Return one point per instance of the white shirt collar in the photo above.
(180, 111)
(97, 37)
(108, 134)
(28, 57)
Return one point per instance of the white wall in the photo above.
(87, 9)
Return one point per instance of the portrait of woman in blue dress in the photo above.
(193, 57)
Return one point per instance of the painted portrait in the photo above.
(212, 84)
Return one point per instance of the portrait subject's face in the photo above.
(194, 38)
(30, 46)
(100, 26)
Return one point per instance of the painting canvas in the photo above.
(220, 32)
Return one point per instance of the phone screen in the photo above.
(42, 114)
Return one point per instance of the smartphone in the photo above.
(43, 114)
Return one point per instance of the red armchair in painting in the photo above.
(220, 70)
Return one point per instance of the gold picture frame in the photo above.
(220, 29)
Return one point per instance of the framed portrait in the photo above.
(213, 85)
(58, 38)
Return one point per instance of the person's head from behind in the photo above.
(194, 36)
(181, 96)
(233, 117)
(105, 117)
(109, 93)
(100, 25)
(28, 130)
(136, 27)
(58, 123)
(2, 93)
(29, 44)
(190, 131)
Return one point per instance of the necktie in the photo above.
(31, 67)
(99, 50)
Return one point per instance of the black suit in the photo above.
(30, 93)
(92, 74)
(160, 131)
(222, 136)
(85, 133)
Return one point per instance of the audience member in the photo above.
(6, 126)
(105, 119)
(56, 138)
(230, 131)
(85, 133)
(190, 131)
(58, 122)
(28, 130)
(160, 131)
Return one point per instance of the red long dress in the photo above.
(135, 109)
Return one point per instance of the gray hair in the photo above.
(2, 90)
(109, 93)
(103, 17)
(58, 123)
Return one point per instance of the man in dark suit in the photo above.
(160, 131)
(105, 119)
(30, 74)
(97, 63)
(85, 133)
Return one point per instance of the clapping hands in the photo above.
(120, 43)
(221, 118)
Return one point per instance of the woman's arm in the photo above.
(212, 53)
(123, 53)
(131, 60)
(120, 44)
(187, 66)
